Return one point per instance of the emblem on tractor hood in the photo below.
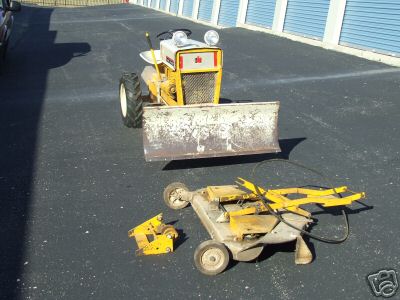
(198, 60)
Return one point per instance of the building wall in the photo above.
(369, 29)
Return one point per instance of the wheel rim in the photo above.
(170, 232)
(122, 99)
(212, 259)
(175, 198)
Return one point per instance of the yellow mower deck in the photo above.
(237, 218)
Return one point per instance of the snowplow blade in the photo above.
(210, 130)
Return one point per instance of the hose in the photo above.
(278, 216)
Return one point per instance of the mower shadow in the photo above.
(270, 250)
(289, 247)
(337, 210)
(182, 237)
(231, 264)
(286, 145)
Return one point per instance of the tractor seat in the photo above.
(146, 56)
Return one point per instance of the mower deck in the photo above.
(246, 249)
(241, 219)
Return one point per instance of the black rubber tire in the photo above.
(132, 106)
(167, 196)
(221, 261)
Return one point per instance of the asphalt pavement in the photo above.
(73, 179)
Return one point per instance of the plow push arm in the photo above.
(279, 199)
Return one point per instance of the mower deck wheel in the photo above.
(172, 196)
(211, 257)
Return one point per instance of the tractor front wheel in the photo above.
(130, 97)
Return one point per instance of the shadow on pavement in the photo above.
(23, 80)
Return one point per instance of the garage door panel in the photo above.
(384, 32)
(187, 8)
(205, 10)
(228, 13)
(260, 12)
(163, 4)
(370, 15)
(372, 25)
(306, 17)
(174, 6)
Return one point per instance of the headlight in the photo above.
(179, 38)
(211, 38)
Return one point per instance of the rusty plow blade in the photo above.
(210, 130)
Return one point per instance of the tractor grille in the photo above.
(199, 87)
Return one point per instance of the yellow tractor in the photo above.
(183, 118)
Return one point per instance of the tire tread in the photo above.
(134, 100)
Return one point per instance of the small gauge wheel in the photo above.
(169, 231)
(211, 258)
(172, 196)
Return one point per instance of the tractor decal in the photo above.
(170, 61)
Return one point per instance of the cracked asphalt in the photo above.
(73, 179)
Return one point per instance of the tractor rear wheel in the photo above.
(211, 257)
(130, 97)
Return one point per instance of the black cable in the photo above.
(278, 216)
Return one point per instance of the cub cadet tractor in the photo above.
(182, 117)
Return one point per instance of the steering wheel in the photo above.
(169, 33)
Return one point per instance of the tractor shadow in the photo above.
(286, 145)
(227, 101)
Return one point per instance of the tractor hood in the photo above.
(168, 50)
